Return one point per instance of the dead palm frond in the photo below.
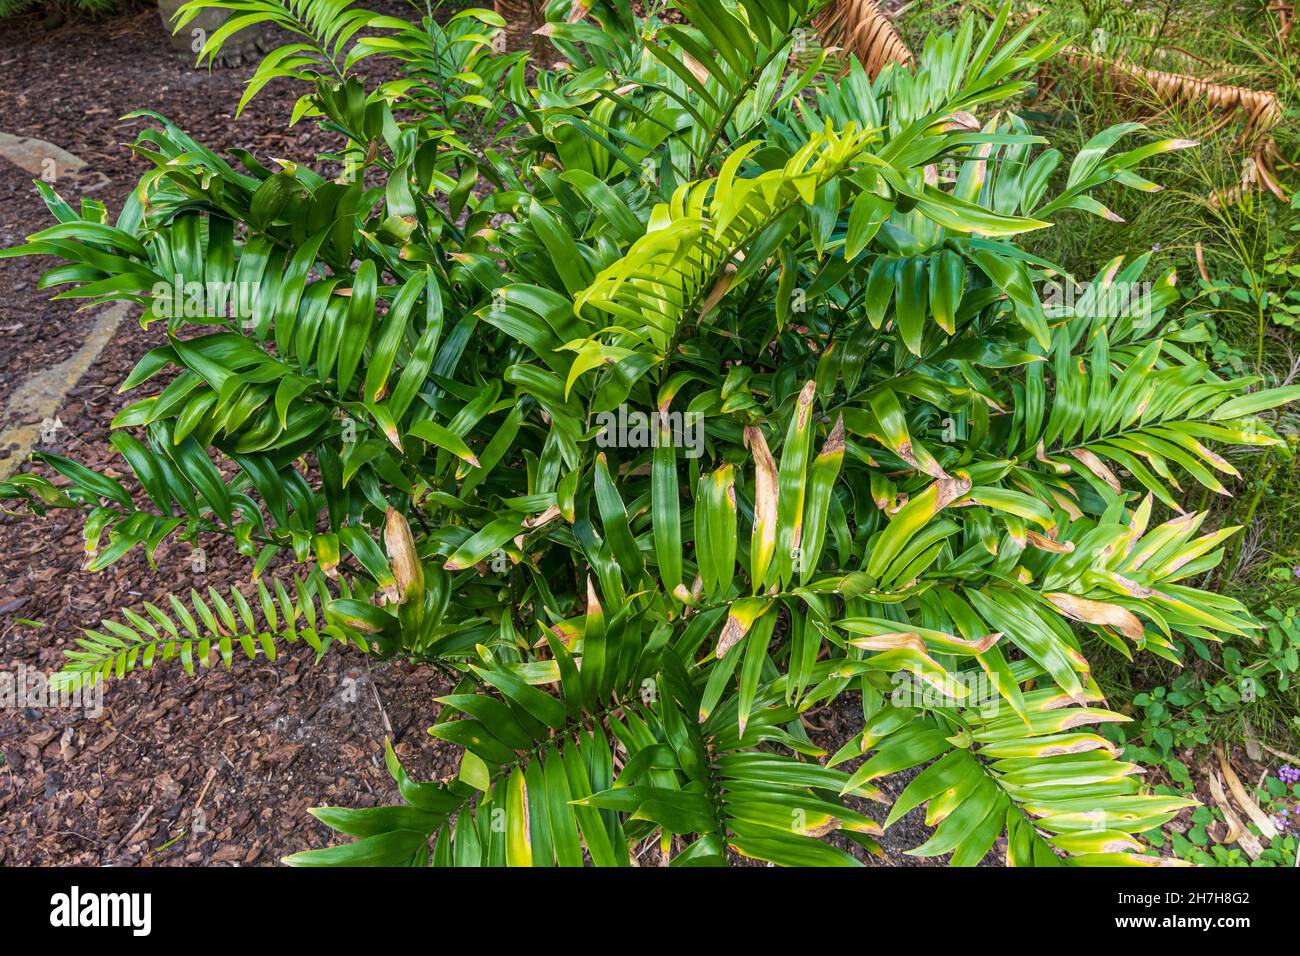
(523, 19)
(860, 28)
(1260, 110)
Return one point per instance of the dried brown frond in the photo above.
(523, 19)
(1260, 109)
(858, 27)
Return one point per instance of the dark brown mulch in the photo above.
(221, 768)
(34, 331)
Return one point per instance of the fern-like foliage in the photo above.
(1017, 774)
(190, 632)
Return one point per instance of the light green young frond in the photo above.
(189, 633)
(712, 235)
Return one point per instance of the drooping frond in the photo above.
(190, 633)
(325, 29)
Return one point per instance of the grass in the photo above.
(1227, 255)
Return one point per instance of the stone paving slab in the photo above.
(43, 159)
(34, 404)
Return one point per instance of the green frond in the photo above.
(190, 633)
(326, 25)
(695, 246)
(1056, 788)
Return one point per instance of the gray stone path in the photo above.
(35, 403)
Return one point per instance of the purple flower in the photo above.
(1289, 775)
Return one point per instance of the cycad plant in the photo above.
(662, 396)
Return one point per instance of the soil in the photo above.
(221, 768)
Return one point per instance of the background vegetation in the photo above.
(1237, 254)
